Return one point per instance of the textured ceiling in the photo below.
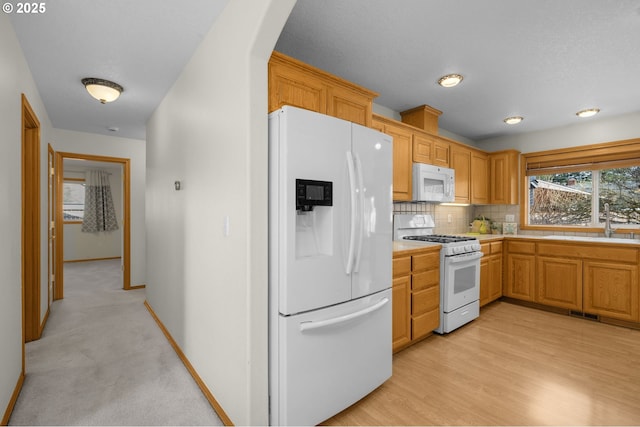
(541, 59)
(141, 44)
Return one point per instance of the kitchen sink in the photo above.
(592, 239)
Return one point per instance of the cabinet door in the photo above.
(402, 162)
(560, 282)
(425, 311)
(503, 179)
(485, 280)
(422, 148)
(288, 86)
(479, 178)
(521, 276)
(611, 290)
(461, 163)
(440, 152)
(495, 272)
(401, 323)
(348, 105)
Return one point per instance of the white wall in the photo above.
(589, 131)
(86, 246)
(111, 146)
(210, 132)
(15, 78)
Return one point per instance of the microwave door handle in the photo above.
(352, 219)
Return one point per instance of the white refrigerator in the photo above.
(330, 251)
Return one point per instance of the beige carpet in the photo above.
(102, 360)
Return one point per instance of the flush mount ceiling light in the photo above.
(513, 120)
(588, 112)
(102, 90)
(450, 80)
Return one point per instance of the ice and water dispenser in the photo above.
(314, 218)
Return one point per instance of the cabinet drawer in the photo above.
(496, 247)
(426, 261)
(521, 247)
(424, 324)
(401, 266)
(425, 300)
(425, 280)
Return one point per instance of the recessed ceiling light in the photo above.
(588, 112)
(513, 120)
(450, 80)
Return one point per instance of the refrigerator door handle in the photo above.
(307, 326)
(359, 213)
(352, 193)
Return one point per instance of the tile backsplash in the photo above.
(498, 213)
(448, 219)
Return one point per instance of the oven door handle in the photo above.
(464, 258)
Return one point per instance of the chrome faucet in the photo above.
(608, 231)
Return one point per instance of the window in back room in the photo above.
(73, 200)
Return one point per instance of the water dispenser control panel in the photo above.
(310, 193)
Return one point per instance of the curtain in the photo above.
(99, 213)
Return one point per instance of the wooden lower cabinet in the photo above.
(611, 290)
(490, 272)
(521, 276)
(416, 296)
(401, 308)
(593, 278)
(560, 282)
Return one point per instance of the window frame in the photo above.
(74, 180)
(593, 158)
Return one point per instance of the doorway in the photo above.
(59, 217)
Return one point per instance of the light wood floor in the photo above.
(512, 366)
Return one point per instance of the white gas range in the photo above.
(459, 269)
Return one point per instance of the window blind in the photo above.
(620, 154)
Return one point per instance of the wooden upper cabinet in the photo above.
(291, 86)
(503, 177)
(423, 148)
(402, 162)
(441, 152)
(461, 163)
(479, 177)
(292, 82)
(349, 105)
(402, 155)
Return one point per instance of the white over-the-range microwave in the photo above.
(433, 183)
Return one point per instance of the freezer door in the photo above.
(329, 359)
(307, 256)
(372, 153)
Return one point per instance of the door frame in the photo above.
(51, 230)
(59, 217)
(30, 224)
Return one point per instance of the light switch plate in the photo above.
(509, 218)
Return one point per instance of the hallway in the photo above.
(102, 360)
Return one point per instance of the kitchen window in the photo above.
(568, 188)
(73, 200)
